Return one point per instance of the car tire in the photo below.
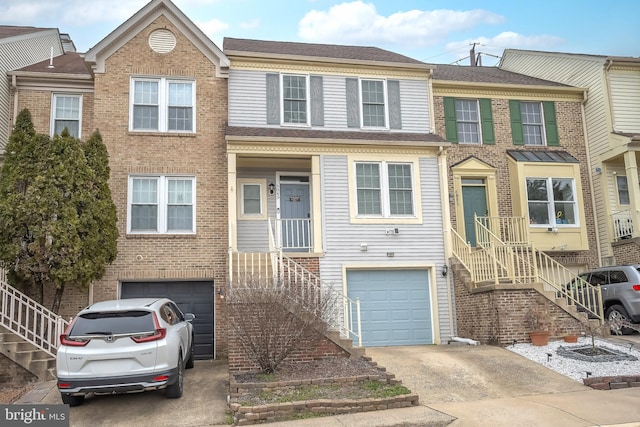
(189, 363)
(616, 313)
(70, 400)
(174, 390)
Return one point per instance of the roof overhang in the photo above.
(508, 91)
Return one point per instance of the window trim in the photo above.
(307, 78)
(617, 177)
(163, 103)
(478, 122)
(551, 202)
(241, 182)
(386, 103)
(385, 217)
(54, 97)
(162, 202)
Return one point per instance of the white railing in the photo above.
(495, 261)
(294, 234)
(28, 319)
(510, 230)
(622, 224)
(304, 287)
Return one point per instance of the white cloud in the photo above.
(358, 22)
(214, 29)
(251, 24)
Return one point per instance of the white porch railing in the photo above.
(622, 224)
(28, 319)
(511, 230)
(496, 261)
(294, 234)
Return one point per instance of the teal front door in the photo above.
(295, 217)
(474, 202)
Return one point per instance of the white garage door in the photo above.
(395, 306)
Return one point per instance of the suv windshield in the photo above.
(112, 323)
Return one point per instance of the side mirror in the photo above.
(189, 317)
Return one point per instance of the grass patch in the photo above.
(369, 389)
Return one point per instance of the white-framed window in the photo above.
(66, 112)
(468, 121)
(552, 202)
(162, 105)
(252, 198)
(374, 111)
(384, 189)
(623, 190)
(532, 123)
(295, 99)
(161, 204)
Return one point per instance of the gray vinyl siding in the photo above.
(247, 98)
(625, 100)
(417, 244)
(15, 53)
(581, 71)
(248, 103)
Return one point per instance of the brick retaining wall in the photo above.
(612, 383)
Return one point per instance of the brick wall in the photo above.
(572, 140)
(626, 251)
(497, 316)
(13, 375)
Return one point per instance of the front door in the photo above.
(295, 216)
(474, 201)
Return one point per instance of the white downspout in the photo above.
(446, 230)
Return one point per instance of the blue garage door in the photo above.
(191, 297)
(395, 306)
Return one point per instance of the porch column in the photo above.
(633, 183)
(233, 201)
(315, 203)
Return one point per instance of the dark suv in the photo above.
(620, 286)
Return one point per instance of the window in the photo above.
(532, 123)
(623, 190)
(468, 121)
(384, 189)
(66, 113)
(162, 105)
(374, 110)
(294, 99)
(552, 201)
(161, 204)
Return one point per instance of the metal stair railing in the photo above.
(28, 319)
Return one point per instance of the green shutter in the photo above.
(550, 124)
(450, 122)
(516, 122)
(486, 118)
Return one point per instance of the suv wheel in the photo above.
(174, 391)
(616, 314)
(70, 400)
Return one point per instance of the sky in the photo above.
(433, 31)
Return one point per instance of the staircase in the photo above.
(29, 332)
(505, 256)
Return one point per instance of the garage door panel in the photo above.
(191, 297)
(395, 306)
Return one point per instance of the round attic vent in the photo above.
(162, 41)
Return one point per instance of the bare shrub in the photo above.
(271, 319)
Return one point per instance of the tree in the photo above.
(57, 219)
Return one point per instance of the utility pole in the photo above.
(472, 55)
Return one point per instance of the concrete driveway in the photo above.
(202, 404)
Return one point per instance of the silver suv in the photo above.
(125, 346)
(620, 286)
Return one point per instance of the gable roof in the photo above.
(462, 73)
(145, 16)
(316, 52)
(7, 31)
